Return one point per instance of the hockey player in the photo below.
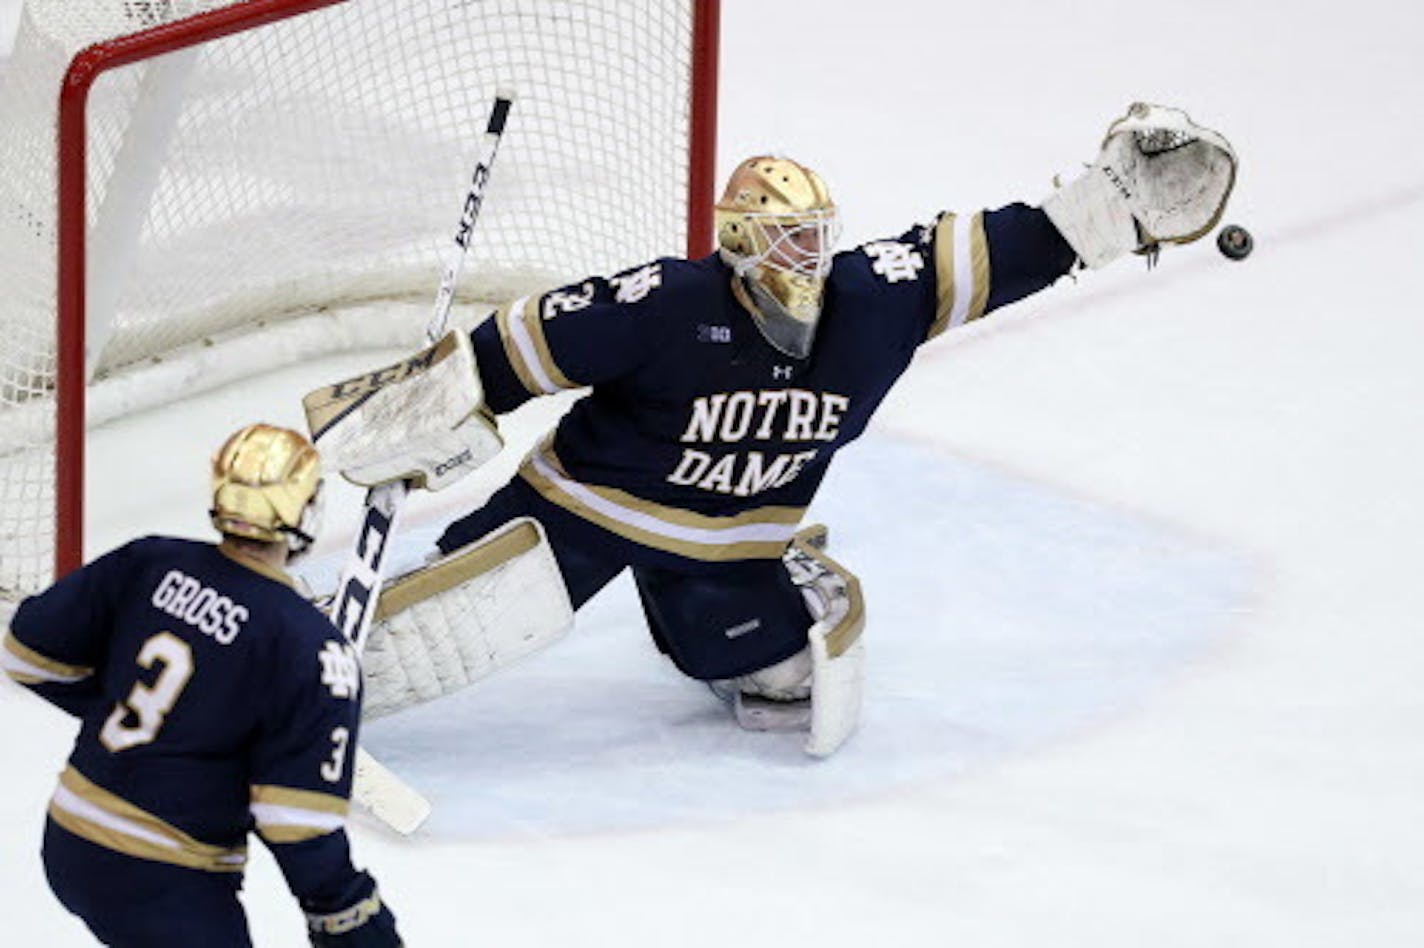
(721, 388)
(212, 699)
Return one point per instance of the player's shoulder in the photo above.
(666, 281)
(906, 259)
(134, 556)
(157, 546)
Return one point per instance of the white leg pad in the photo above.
(469, 614)
(820, 688)
(836, 642)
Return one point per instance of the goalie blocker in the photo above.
(422, 420)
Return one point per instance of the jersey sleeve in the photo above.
(987, 260)
(58, 637)
(575, 336)
(301, 766)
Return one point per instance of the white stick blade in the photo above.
(387, 797)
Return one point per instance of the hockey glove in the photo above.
(422, 420)
(1160, 178)
(365, 922)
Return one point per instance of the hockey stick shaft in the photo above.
(359, 585)
(474, 200)
(377, 789)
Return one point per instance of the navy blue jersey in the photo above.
(700, 442)
(213, 699)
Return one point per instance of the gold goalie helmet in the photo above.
(777, 227)
(267, 486)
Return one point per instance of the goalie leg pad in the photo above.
(463, 617)
(836, 642)
(423, 420)
(821, 687)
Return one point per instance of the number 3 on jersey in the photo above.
(150, 704)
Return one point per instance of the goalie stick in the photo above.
(385, 795)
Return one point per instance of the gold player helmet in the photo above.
(267, 486)
(777, 227)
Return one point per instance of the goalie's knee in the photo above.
(821, 686)
(463, 617)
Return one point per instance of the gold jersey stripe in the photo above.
(852, 625)
(761, 533)
(288, 815)
(406, 591)
(961, 271)
(525, 345)
(29, 667)
(288, 824)
(290, 832)
(93, 813)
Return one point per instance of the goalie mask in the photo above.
(776, 228)
(267, 487)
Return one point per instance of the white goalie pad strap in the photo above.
(465, 616)
(421, 420)
(1160, 178)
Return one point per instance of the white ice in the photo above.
(1140, 553)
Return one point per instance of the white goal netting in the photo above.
(236, 189)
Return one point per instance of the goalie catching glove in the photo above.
(422, 420)
(1160, 178)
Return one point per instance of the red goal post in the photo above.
(183, 182)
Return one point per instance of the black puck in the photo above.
(1234, 242)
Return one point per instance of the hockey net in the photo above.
(243, 172)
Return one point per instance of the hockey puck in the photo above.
(1234, 242)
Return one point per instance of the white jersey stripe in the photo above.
(519, 331)
(709, 536)
(963, 270)
(272, 814)
(16, 667)
(71, 802)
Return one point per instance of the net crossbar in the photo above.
(233, 171)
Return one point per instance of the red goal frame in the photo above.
(71, 154)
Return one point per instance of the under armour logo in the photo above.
(781, 371)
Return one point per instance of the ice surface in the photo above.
(1141, 555)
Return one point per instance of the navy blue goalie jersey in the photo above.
(213, 699)
(699, 441)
